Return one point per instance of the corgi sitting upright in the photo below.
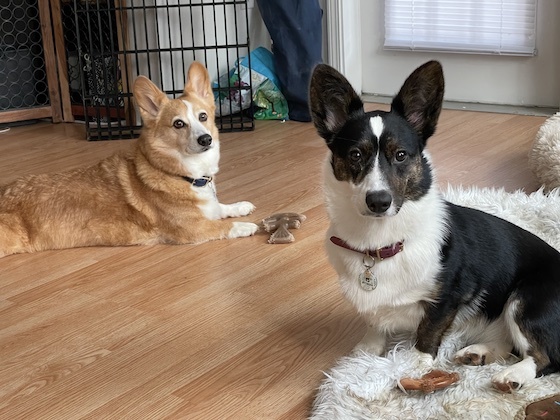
(161, 191)
(410, 261)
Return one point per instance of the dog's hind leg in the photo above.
(515, 376)
(483, 353)
(14, 238)
(524, 330)
(491, 342)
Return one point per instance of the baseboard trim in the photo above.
(477, 107)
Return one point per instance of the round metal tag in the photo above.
(368, 281)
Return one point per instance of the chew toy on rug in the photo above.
(279, 224)
(430, 382)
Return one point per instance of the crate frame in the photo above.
(124, 50)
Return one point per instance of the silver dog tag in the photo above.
(368, 280)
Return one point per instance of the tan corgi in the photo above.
(161, 191)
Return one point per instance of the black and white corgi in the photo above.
(410, 261)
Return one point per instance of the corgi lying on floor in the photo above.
(162, 191)
(410, 261)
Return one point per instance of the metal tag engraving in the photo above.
(368, 280)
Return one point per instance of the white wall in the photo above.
(342, 39)
(527, 81)
(172, 29)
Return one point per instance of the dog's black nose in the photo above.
(205, 140)
(379, 201)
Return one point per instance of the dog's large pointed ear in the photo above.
(198, 81)
(420, 99)
(332, 101)
(148, 97)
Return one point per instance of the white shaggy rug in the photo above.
(544, 156)
(363, 386)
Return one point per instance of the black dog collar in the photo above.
(199, 182)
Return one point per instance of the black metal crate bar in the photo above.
(111, 42)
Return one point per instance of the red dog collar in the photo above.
(380, 253)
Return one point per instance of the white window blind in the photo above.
(505, 27)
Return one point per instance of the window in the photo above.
(469, 26)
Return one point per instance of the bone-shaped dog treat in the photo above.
(430, 382)
(279, 224)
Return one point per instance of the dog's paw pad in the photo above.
(507, 386)
(242, 229)
(515, 376)
(507, 381)
(474, 355)
(471, 359)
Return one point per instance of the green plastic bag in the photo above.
(267, 98)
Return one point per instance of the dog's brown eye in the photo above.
(203, 116)
(179, 124)
(355, 155)
(400, 156)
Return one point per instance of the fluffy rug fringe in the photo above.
(364, 386)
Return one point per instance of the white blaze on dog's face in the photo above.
(375, 186)
(183, 128)
(196, 137)
(378, 157)
(199, 114)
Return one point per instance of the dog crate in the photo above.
(108, 43)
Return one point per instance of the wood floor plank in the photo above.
(282, 357)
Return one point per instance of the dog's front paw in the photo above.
(242, 229)
(371, 343)
(371, 348)
(424, 361)
(242, 208)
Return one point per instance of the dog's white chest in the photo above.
(210, 206)
(393, 282)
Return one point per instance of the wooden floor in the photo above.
(234, 329)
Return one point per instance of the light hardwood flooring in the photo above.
(235, 329)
